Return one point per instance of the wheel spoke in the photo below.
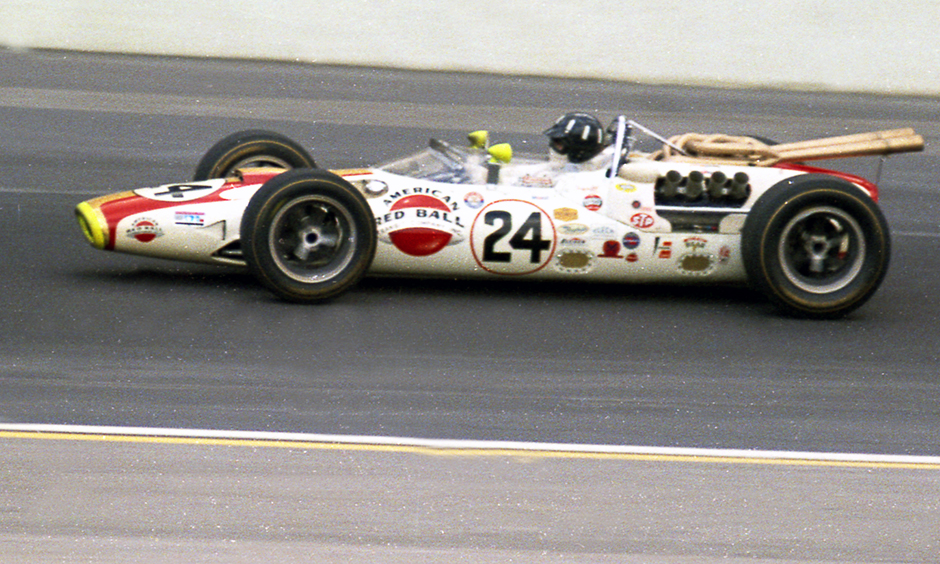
(301, 251)
(818, 249)
(311, 237)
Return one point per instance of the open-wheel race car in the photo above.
(709, 208)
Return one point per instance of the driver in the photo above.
(575, 138)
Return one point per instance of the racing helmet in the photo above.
(577, 135)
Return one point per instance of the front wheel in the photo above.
(308, 235)
(816, 246)
(251, 149)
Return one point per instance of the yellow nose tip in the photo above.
(91, 224)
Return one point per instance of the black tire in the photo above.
(252, 148)
(308, 235)
(816, 246)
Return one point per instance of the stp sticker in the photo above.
(513, 237)
(642, 220)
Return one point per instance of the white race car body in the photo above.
(565, 225)
(811, 239)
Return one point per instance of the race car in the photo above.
(706, 208)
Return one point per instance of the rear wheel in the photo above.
(252, 148)
(308, 235)
(816, 246)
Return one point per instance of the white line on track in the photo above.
(451, 446)
(919, 234)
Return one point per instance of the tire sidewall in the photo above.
(261, 211)
(780, 205)
(219, 160)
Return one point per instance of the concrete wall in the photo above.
(842, 45)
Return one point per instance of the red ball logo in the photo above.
(144, 230)
(421, 241)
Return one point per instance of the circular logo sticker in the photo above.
(144, 230)
(631, 241)
(474, 200)
(419, 225)
(642, 220)
(593, 202)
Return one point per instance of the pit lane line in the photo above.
(447, 447)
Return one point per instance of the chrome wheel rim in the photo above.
(260, 161)
(312, 238)
(822, 250)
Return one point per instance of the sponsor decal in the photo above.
(593, 202)
(436, 193)
(631, 241)
(197, 219)
(724, 254)
(632, 257)
(695, 243)
(696, 264)
(531, 181)
(574, 262)
(662, 249)
(626, 187)
(642, 220)
(636, 204)
(573, 229)
(566, 214)
(573, 242)
(420, 225)
(512, 237)
(474, 200)
(611, 250)
(603, 231)
(144, 230)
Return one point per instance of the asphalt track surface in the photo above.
(91, 338)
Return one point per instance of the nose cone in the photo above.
(93, 224)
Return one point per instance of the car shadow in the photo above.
(225, 280)
(567, 290)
